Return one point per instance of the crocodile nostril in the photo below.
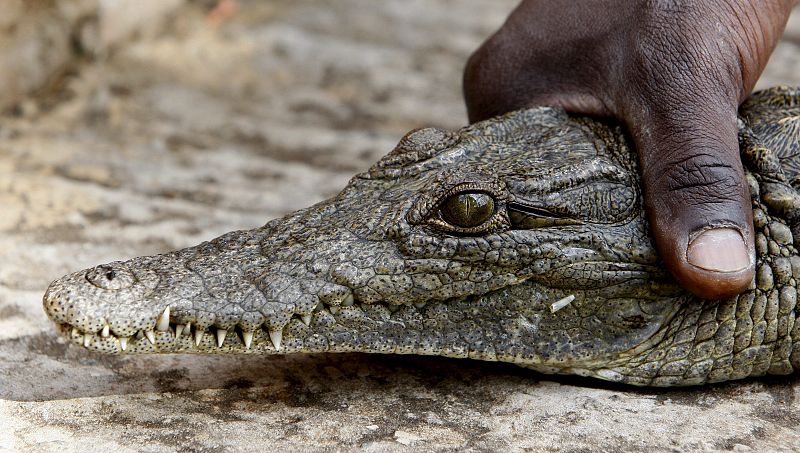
(112, 276)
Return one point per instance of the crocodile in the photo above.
(519, 239)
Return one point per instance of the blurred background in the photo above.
(134, 127)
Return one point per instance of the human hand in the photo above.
(674, 72)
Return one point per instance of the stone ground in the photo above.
(212, 125)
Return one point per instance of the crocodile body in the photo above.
(520, 239)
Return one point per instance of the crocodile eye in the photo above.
(467, 209)
(111, 276)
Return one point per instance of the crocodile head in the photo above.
(519, 239)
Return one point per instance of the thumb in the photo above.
(696, 194)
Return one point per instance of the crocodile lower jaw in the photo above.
(180, 338)
(166, 336)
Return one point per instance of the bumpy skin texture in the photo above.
(561, 276)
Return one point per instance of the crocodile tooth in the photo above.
(198, 337)
(334, 309)
(123, 343)
(75, 332)
(106, 331)
(276, 336)
(306, 319)
(420, 305)
(187, 329)
(561, 303)
(151, 336)
(348, 301)
(163, 321)
(87, 338)
(221, 337)
(178, 331)
(247, 336)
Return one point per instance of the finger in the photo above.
(501, 77)
(532, 61)
(696, 194)
(496, 79)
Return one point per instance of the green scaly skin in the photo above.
(559, 275)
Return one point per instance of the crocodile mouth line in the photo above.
(176, 338)
(169, 336)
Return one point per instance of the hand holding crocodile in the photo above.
(674, 72)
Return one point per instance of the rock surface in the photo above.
(42, 40)
(222, 121)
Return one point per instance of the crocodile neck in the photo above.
(752, 334)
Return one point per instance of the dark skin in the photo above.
(674, 72)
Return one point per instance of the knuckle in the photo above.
(702, 179)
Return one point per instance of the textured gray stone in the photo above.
(203, 129)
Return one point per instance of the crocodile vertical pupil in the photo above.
(467, 210)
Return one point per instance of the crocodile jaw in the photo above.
(146, 309)
(512, 325)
